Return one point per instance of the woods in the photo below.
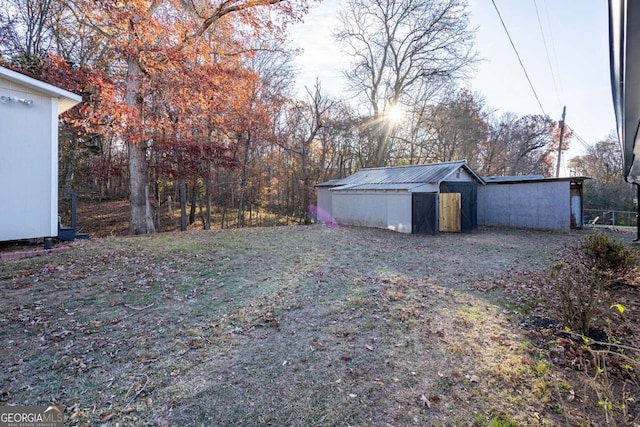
(195, 103)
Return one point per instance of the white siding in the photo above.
(380, 209)
(53, 172)
(537, 205)
(28, 164)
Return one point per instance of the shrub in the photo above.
(608, 254)
(577, 289)
(578, 279)
(580, 274)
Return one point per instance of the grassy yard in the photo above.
(288, 326)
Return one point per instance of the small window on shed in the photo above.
(458, 173)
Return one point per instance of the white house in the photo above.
(29, 111)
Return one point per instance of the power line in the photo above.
(519, 60)
(579, 138)
(553, 50)
(546, 49)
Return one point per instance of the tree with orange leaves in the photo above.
(154, 39)
(191, 127)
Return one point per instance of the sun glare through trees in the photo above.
(395, 114)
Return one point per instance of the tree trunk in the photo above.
(243, 182)
(305, 181)
(224, 214)
(158, 205)
(207, 196)
(182, 185)
(72, 160)
(194, 200)
(140, 220)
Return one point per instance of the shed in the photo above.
(418, 199)
(29, 111)
(531, 201)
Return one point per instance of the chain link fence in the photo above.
(610, 217)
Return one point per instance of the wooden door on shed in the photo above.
(424, 218)
(469, 201)
(450, 212)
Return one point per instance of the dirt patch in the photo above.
(291, 326)
(103, 219)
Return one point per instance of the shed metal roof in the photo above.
(401, 177)
(516, 179)
(512, 178)
(391, 187)
(330, 183)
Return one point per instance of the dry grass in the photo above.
(287, 326)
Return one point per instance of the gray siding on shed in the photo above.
(378, 209)
(544, 205)
(324, 201)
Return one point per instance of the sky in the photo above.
(572, 70)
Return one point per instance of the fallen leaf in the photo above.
(107, 415)
(619, 307)
(269, 318)
(425, 401)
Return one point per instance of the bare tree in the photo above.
(397, 46)
(305, 121)
(603, 163)
(517, 145)
(458, 128)
(272, 63)
(25, 30)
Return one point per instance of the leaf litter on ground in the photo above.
(285, 326)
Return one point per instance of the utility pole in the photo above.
(561, 126)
